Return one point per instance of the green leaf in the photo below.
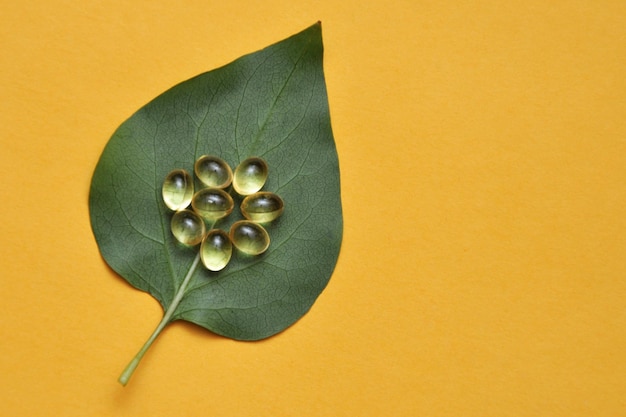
(271, 104)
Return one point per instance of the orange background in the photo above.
(483, 157)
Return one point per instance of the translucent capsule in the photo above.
(262, 207)
(213, 171)
(216, 250)
(177, 189)
(187, 227)
(250, 176)
(249, 237)
(212, 203)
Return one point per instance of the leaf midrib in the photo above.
(273, 106)
(194, 266)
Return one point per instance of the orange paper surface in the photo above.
(483, 158)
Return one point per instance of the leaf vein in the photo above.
(270, 113)
(243, 95)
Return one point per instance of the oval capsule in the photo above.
(216, 250)
(250, 176)
(212, 203)
(177, 189)
(249, 237)
(262, 207)
(213, 171)
(187, 227)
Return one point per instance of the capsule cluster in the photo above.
(212, 201)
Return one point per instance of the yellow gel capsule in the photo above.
(262, 207)
(212, 203)
(177, 189)
(249, 237)
(216, 250)
(187, 227)
(213, 171)
(250, 176)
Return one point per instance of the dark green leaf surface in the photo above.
(271, 104)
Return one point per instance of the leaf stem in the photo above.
(132, 365)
